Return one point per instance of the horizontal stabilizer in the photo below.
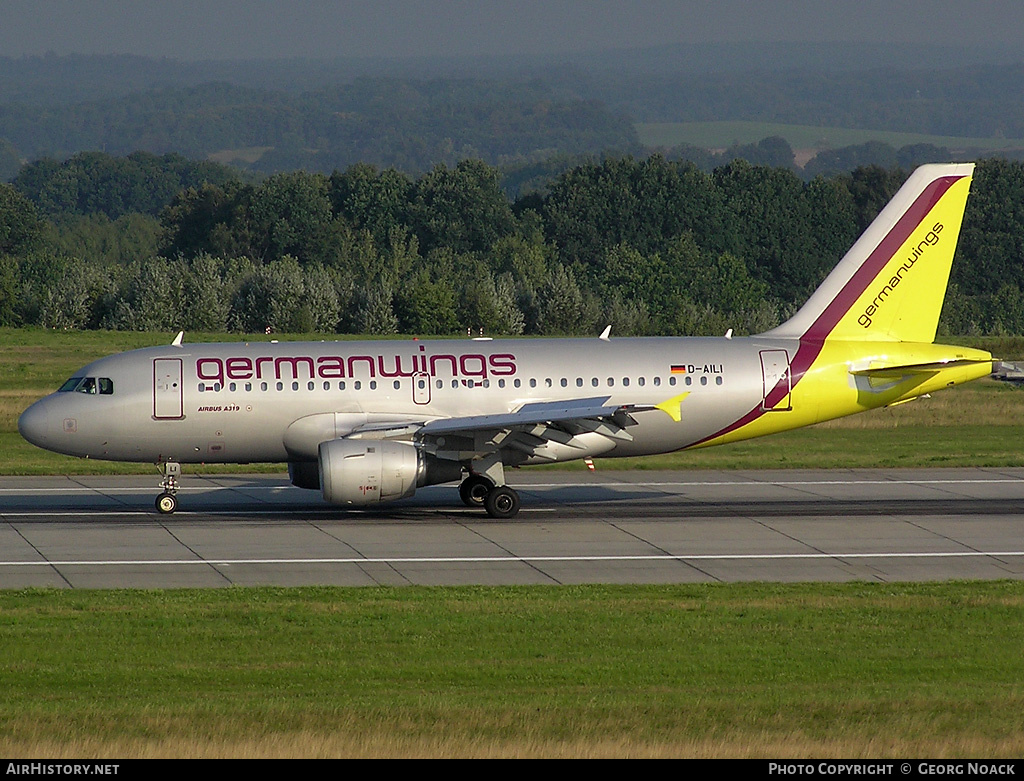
(890, 372)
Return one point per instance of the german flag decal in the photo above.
(678, 368)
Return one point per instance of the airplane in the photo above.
(367, 422)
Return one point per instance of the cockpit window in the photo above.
(102, 385)
(70, 385)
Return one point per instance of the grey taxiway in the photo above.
(575, 527)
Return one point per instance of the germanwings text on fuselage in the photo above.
(329, 367)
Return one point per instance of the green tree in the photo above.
(206, 303)
(269, 299)
(370, 200)
(21, 230)
(643, 204)
(768, 216)
(872, 187)
(61, 292)
(98, 183)
(320, 300)
(10, 283)
(990, 253)
(487, 305)
(523, 254)
(375, 312)
(291, 215)
(562, 309)
(426, 305)
(97, 239)
(209, 219)
(627, 317)
(150, 297)
(463, 208)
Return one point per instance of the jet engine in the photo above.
(362, 472)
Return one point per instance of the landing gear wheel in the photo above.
(474, 490)
(166, 503)
(502, 502)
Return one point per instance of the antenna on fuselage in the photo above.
(178, 338)
(605, 333)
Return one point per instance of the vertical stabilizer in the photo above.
(891, 284)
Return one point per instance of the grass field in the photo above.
(745, 670)
(718, 135)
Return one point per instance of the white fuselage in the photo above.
(236, 402)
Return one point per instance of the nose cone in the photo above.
(37, 424)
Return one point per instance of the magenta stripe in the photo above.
(812, 342)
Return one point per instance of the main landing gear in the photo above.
(500, 501)
(167, 502)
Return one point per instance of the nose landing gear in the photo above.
(167, 502)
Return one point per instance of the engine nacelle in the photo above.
(355, 471)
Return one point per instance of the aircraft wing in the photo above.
(552, 412)
(531, 429)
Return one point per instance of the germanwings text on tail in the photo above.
(370, 422)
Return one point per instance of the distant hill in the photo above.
(59, 80)
(414, 113)
(408, 124)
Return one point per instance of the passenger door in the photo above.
(167, 390)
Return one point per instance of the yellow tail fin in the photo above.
(891, 284)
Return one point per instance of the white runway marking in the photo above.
(82, 489)
(511, 559)
(327, 510)
(773, 482)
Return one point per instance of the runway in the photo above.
(575, 527)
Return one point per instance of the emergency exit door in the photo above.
(421, 388)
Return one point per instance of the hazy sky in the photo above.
(200, 29)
